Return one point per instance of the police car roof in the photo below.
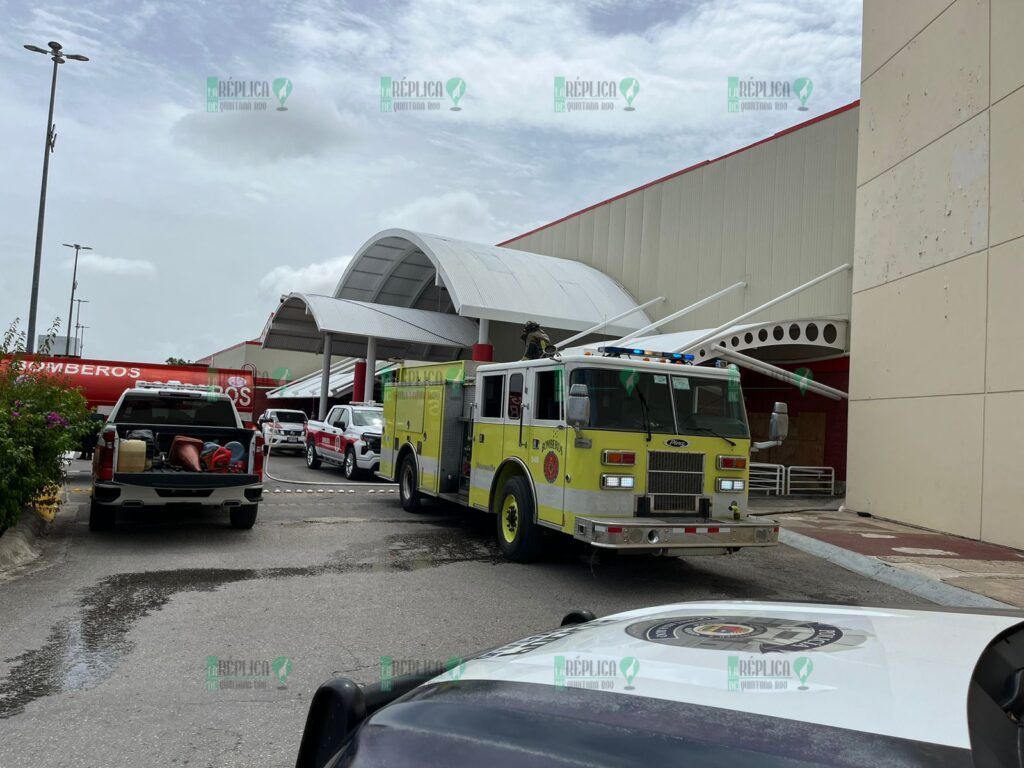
(895, 673)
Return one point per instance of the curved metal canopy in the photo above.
(401, 268)
(301, 320)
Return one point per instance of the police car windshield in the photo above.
(676, 404)
(290, 417)
(557, 727)
(367, 418)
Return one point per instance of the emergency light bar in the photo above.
(675, 357)
(177, 386)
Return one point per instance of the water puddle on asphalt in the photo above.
(84, 651)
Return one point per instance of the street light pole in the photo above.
(74, 284)
(78, 323)
(81, 344)
(56, 53)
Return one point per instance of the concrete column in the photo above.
(371, 367)
(325, 375)
(483, 351)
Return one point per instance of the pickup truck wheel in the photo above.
(101, 518)
(351, 468)
(407, 493)
(312, 458)
(519, 537)
(244, 517)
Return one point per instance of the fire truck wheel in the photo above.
(408, 495)
(519, 537)
(312, 458)
(244, 517)
(351, 468)
(101, 518)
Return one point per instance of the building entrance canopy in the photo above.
(401, 268)
(410, 295)
(302, 320)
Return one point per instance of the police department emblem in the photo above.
(745, 634)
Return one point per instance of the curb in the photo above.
(18, 546)
(930, 589)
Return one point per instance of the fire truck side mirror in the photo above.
(778, 427)
(577, 411)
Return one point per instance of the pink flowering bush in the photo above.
(41, 418)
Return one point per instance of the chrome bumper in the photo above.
(671, 533)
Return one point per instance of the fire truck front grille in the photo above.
(674, 480)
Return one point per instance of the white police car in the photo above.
(702, 684)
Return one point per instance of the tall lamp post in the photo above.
(78, 323)
(81, 344)
(74, 284)
(56, 53)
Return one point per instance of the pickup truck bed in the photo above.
(162, 484)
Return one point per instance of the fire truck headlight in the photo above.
(617, 481)
(730, 486)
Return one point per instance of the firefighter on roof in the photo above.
(538, 343)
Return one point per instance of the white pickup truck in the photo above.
(160, 414)
(284, 428)
(349, 437)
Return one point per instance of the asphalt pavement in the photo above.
(177, 640)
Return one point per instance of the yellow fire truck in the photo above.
(623, 449)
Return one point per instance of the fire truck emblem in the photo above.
(551, 466)
(745, 634)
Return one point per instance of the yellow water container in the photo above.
(131, 456)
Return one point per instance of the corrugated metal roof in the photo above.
(301, 320)
(411, 269)
(340, 383)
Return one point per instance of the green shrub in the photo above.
(41, 418)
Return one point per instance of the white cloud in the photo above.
(112, 265)
(320, 277)
(311, 127)
(461, 214)
(509, 53)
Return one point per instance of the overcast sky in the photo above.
(200, 220)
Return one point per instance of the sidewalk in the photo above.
(940, 567)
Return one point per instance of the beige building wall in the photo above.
(776, 215)
(278, 364)
(937, 350)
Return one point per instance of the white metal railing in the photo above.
(804, 481)
(769, 479)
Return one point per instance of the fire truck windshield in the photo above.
(676, 404)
